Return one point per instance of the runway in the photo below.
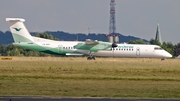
(78, 99)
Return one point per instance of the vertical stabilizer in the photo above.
(18, 30)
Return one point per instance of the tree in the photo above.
(169, 47)
(15, 52)
(155, 42)
(2, 50)
(177, 50)
(12, 50)
(140, 41)
(46, 36)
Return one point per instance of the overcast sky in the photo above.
(137, 18)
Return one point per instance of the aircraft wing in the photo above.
(94, 46)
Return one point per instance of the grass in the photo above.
(77, 77)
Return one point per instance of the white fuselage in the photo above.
(123, 50)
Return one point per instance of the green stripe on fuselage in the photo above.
(19, 38)
(34, 46)
(49, 50)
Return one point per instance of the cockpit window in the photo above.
(157, 48)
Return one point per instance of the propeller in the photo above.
(114, 45)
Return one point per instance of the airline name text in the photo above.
(125, 47)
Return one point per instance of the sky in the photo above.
(137, 18)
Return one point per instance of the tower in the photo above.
(112, 36)
(112, 24)
(158, 34)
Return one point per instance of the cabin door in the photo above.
(60, 49)
(138, 51)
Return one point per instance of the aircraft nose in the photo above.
(167, 55)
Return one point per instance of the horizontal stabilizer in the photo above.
(15, 19)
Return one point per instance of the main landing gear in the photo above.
(91, 57)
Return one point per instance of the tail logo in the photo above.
(18, 29)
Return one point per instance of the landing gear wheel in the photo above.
(91, 58)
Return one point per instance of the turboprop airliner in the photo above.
(91, 48)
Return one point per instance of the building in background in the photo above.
(158, 34)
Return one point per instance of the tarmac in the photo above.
(9, 98)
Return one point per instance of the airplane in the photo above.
(91, 48)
